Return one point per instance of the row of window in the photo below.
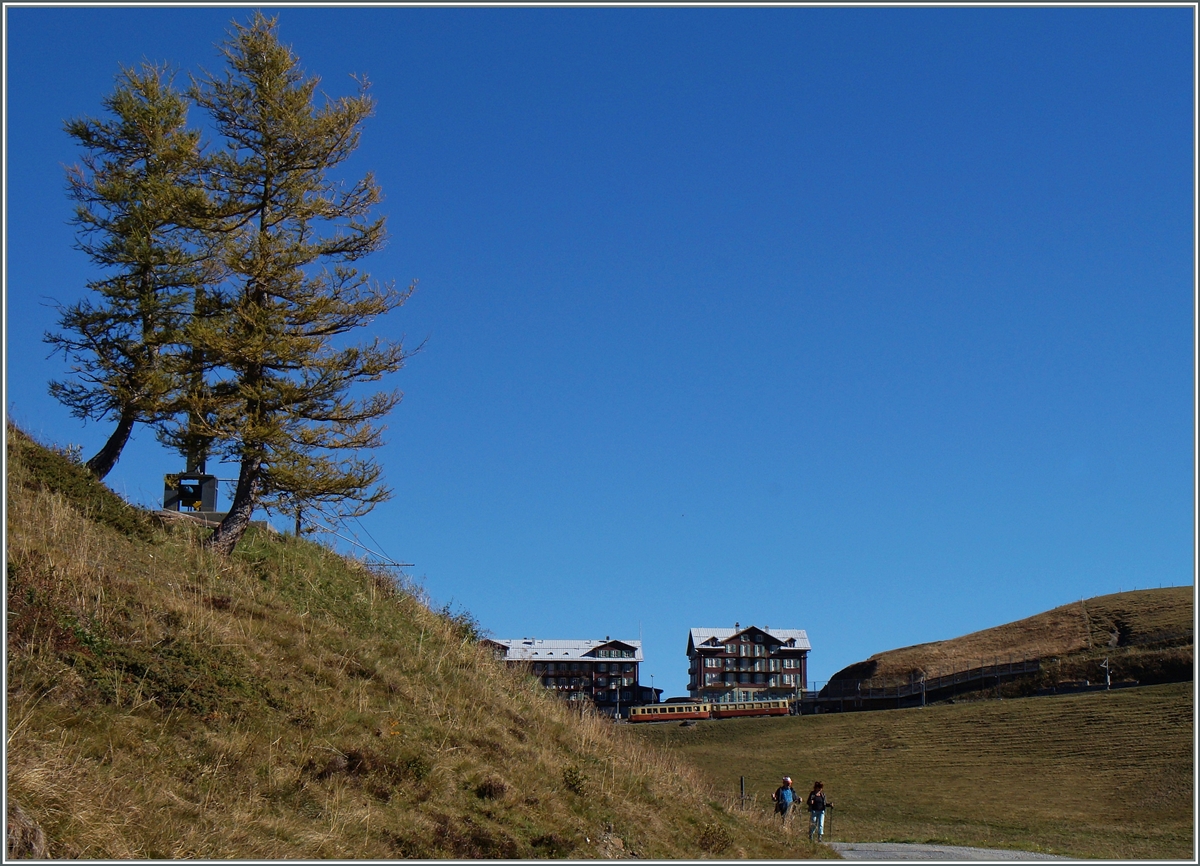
(719, 662)
(623, 681)
(756, 650)
(742, 695)
(615, 654)
(611, 697)
(586, 667)
(577, 682)
(787, 680)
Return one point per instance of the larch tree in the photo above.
(137, 199)
(281, 368)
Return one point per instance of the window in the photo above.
(758, 638)
(628, 668)
(574, 666)
(551, 667)
(743, 678)
(602, 667)
(760, 678)
(601, 681)
(626, 695)
(538, 668)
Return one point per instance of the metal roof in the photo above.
(535, 648)
(699, 636)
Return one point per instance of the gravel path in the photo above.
(907, 851)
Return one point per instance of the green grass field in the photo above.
(1104, 774)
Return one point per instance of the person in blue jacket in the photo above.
(784, 797)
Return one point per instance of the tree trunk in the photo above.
(106, 458)
(230, 531)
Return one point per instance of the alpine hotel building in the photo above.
(602, 671)
(747, 664)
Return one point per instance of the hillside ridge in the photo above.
(286, 702)
(1146, 634)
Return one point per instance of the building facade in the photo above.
(604, 672)
(747, 664)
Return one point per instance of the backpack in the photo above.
(816, 802)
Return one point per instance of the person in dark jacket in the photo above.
(817, 804)
(784, 797)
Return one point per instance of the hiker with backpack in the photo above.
(784, 797)
(817, 804)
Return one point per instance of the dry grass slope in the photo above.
(288, 703)
(1147, 634)
(1105, 774)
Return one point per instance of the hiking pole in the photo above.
(828, 807)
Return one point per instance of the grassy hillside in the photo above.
(1147, 635)
(288, 703)
(1104, 774)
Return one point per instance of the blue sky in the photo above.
(875, 322)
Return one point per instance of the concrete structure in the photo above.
(604, 672)
(747, 664)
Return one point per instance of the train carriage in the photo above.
(670, 712)
(749, 708)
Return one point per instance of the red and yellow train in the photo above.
(682, 712)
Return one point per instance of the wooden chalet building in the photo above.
(602, 671)
(747, 664)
